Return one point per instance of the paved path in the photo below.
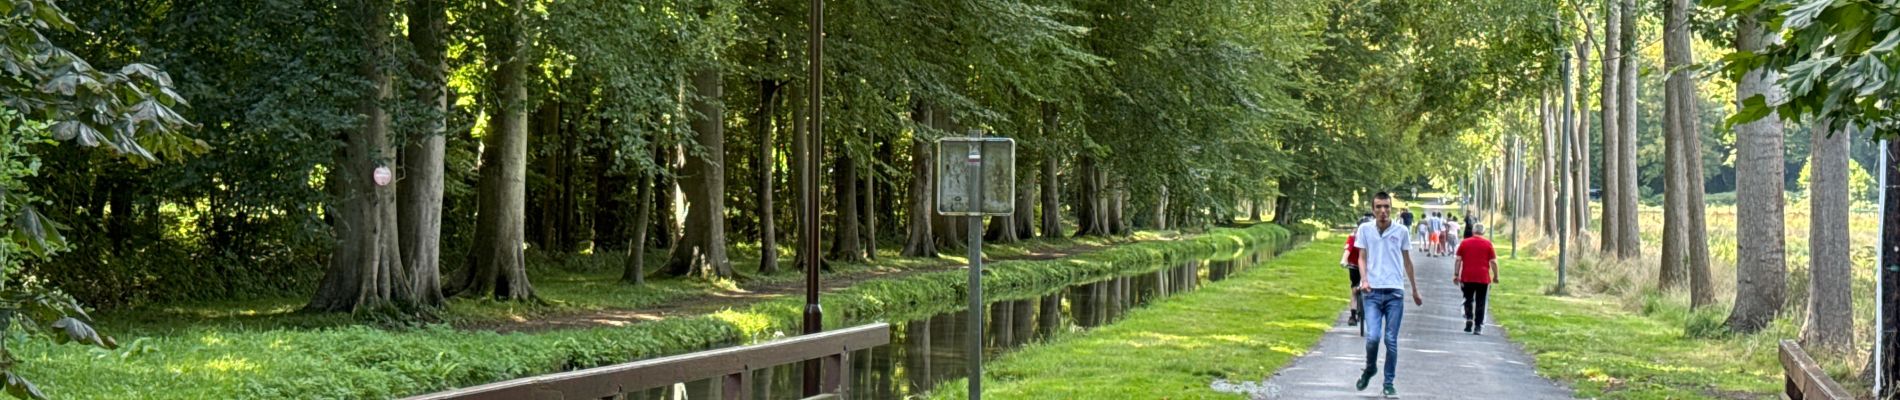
(1437, 359)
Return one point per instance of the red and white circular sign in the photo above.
(383, 176)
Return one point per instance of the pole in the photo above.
(1564, 180)
(1885, 365)
(808, 238)
(975, 242)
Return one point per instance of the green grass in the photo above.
(262, 358)
(1244, 328)
(569, 284)
(1605, 350)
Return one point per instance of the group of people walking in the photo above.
(1378, 260)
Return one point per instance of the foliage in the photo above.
(1126, 359)
(51, 91)
(1838, 61)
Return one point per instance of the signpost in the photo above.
(976, 177)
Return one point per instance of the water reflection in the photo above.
(928, 352)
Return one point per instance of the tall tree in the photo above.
(1760, 265)
(496, 267)
(1630, 243)
(1051, 186)
(1684, 228)
(366, 269)
(1612, 139)
(1830, 321)
(702, 247)
(848, 243)
(1580, 147)
(766, 164)
(921, 242)
(424, 158)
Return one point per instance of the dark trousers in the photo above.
(1475, 294)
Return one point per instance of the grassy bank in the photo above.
(1617, 336)
(1607, 350)
(573, 284)
(1244, 327)
(233, 360)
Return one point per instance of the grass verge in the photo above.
(570, 284)
(1603, 349)
(1244, 327)
(239, 360)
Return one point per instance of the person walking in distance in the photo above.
(1477, 270)
(1350, 260)
(1385, 264)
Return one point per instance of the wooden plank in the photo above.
(608, 381)
(1805, 379)
(737, 386)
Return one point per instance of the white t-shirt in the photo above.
(1385, 254)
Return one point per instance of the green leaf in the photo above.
(38, 234)
(80, 131)
(148, 71)
(1803, 15)
(68, 84)
(1801, 76)
(19, 387)
(1753, 108)
(1887, 45)
(74, 330)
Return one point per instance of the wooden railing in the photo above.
(1804, 379)
(733, 366)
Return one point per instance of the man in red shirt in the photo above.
(1477, 270)
(1350, 261)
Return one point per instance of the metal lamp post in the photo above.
(808, 191)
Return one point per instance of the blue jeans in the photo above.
(1384, 309)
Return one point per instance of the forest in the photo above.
(406, 165)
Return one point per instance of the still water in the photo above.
(928, 352)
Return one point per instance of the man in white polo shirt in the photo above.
(1384, 246)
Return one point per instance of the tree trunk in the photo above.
(635, 270)
(1761, 267)
(1025, 216)
(423, 160)
(1051, 196)
(1684, 119)
(366, 270)
(1631, 245)
(949, 230)
(1580, 149)
(768, 235)
(1830, 322)
(608, 220)
(1548, 171)
(868, 205)
(1161, 209)
(702, 247)
(846, 247)
(1117, 225)
(1701, 279)
(921, 241)
(1051, 164)
(1092, 208)
(1608, 242)
(496, 267)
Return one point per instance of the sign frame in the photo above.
(985, 165)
